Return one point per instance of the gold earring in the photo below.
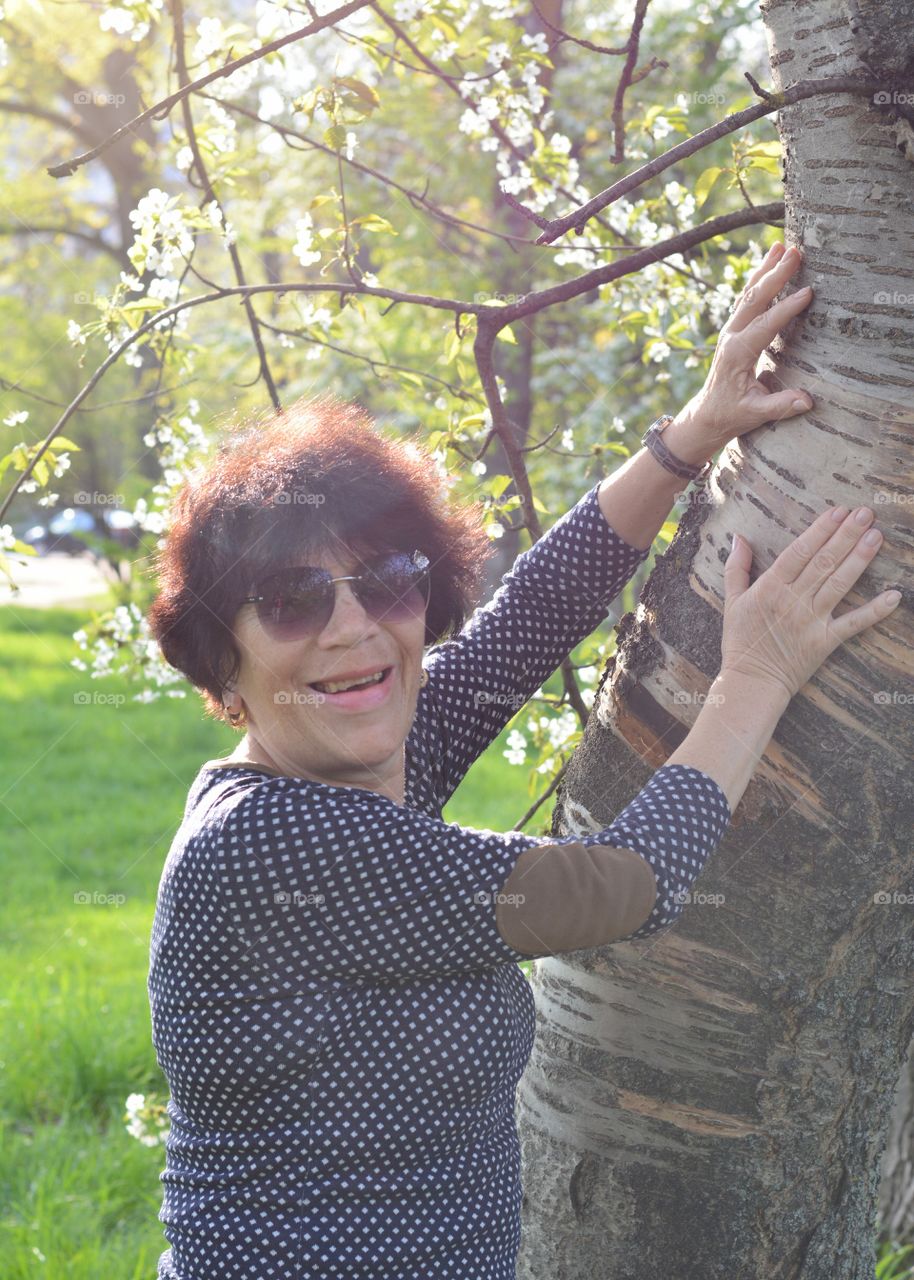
(423, 678)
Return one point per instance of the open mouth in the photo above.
(361, 693)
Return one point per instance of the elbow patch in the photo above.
(567, 897)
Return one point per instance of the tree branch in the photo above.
(209, 197)
(161, 109)
(86, 237)
(578, 218)
(490, 319)
(626, 78)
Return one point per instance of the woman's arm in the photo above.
(557, 592)
(636, 499)
(733, 728)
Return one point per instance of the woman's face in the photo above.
(349, 739)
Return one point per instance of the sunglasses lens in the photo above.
(294, 606)
(396, 588)
(299, 602)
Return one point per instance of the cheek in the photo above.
(270, 668)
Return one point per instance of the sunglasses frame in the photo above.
(419, 558)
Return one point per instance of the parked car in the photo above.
(75, 530)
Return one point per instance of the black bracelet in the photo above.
(653, 440)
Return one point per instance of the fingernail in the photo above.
(801, 404)
(892, 597)
(839, 513)
(804, 292)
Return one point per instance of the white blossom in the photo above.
(303, 240)
(516, 747)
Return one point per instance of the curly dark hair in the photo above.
(299, 481)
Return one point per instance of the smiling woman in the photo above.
(336, 997)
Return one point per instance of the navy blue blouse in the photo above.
(340, 1022)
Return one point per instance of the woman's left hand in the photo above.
(733, 400)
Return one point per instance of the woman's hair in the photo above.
(311, 478)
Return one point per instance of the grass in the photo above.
(92, 794)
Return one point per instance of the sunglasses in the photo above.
(293, 604)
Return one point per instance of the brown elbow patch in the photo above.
(566, 897)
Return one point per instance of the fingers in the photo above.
(819, 568)
(848, 553)
(736, 569)
(796, 556)
(761, 332)
(855, 620)
(758, 293)
(771, 257)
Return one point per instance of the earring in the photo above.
(423, 678)
(236, 717)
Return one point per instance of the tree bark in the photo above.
(896, 1191)
(714, 1102)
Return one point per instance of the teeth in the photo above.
(332, 687)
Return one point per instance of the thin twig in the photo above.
(161, 109)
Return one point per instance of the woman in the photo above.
(335, 993)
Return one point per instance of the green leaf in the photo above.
(451, 346)
(362, 90)
(498, 484)
(374, 222)
(539, 506)
(766, 163)
(335, 136)
(61, 442)
(704, 184)
(772, 148)
(507, 335)
(667, 531)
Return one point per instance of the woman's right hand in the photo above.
(781, 629)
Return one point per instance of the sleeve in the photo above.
(600, 889)
(555, 595)
(348, 884)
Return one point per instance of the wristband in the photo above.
(653, 440)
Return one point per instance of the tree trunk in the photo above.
(714, 1102)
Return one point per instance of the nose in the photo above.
(348, 622)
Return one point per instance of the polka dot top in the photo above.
(341, 1024)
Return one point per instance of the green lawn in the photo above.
(91, 796)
